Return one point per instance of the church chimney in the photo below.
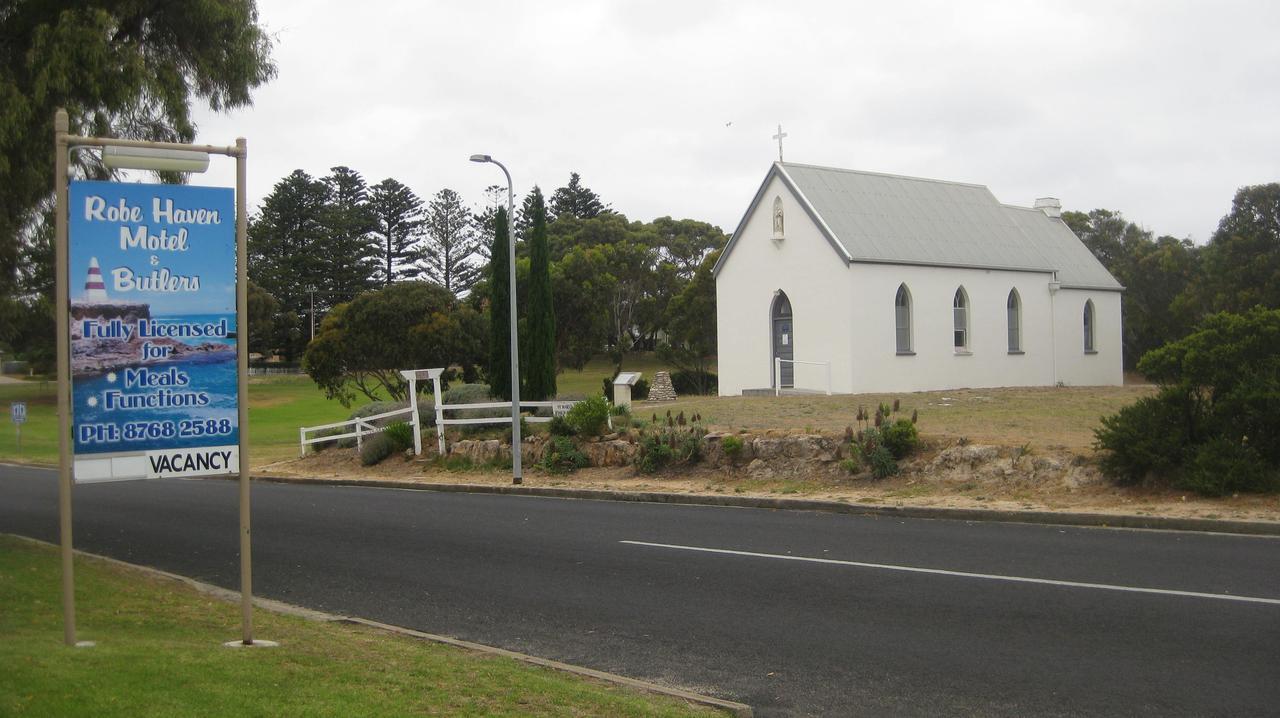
(1051, 207)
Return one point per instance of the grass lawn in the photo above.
(572, 383)
(1042, 416)
(278, 406)
(40, 433)
(159, 653)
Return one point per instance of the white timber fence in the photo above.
(363, 425)
(777, 374)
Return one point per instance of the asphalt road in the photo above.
(895, 617)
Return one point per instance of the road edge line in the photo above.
(1120, 521)
(740, 710)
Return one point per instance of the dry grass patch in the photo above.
(1042, 416)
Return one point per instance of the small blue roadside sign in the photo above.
(18, 412)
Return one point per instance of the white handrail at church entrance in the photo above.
(777, 373)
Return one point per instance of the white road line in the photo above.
(965, 574)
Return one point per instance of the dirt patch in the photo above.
(947, 475)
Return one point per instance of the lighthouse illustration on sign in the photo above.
(94, 288)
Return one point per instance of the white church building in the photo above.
(867, 282)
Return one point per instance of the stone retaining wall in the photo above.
(812, 456)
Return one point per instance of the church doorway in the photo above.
(784, 341)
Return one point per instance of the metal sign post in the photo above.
(157, 242)
(18, 414)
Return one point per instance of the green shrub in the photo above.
(563, 457)
(686, 446)
(1213, 425)
(900, 438)
(1222, 467)
(732, 446)
(882, 463)
(374, 449)
(654, 454)
(559, 427)
(659, 449)
(1147, 438)
(620, 410)
(400, 434)
(590, 416)
(687, 383)
(371, 409)
(850, 465)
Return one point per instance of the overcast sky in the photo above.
(1160, 110)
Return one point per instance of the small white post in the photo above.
(302, 442)
(435, 381)
(417, 425)
(777, 376)
(828, 378)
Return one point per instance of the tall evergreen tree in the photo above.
(287, 247)
(350, 249)
(524, 217)
(398, 218)
(495, 197)
(539, 373)
(576, 200)
(499, 310)
(449, 244)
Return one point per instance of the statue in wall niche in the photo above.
(777, 218)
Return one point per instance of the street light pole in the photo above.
(517, 476)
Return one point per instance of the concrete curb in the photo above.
(1126, 521)
(741, 710)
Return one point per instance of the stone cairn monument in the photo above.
(661, 389)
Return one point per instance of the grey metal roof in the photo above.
(872, 217)
(1076, 265)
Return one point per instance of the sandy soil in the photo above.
(910, 489)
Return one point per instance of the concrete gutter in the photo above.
(1126, 521)
(741, 710)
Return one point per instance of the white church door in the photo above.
(784, 341)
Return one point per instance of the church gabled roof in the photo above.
(873, 217)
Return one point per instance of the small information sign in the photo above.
(18, 412)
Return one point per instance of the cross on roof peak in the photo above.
(779, 138)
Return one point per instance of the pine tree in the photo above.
(349, 255)
(576, 200)
(398, 216)
(287, 238)
(450, 242)
(287, 251)
(495, 197)
(539, 373)
(499, 310)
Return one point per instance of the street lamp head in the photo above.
(148, 158)
(481, 158)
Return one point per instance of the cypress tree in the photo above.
(539, 374)
(499, 311)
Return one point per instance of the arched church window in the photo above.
(1089, 344)
(1014, 306)
(960, 315)
(902, 319)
